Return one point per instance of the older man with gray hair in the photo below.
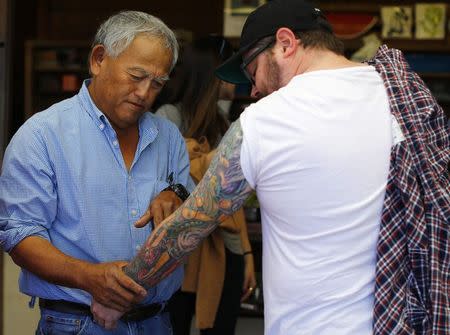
(77, 176)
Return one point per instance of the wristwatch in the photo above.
(178, 189)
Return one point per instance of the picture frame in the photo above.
(430, 20)
(235, 13)
(396, 21)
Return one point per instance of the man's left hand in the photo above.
(160, 208)
(104, 316)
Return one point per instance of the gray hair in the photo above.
(119, 30)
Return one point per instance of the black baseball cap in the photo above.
(297, 15)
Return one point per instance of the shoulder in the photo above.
(49, 120)
(263, 108)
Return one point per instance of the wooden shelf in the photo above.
(46, 65)
(435, 75)
(58, 68)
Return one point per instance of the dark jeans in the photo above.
(182, 304)
(57, 323)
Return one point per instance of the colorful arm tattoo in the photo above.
(220, 193)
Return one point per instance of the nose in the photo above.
(254, 93)
(143, 89)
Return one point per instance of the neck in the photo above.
(312, 59)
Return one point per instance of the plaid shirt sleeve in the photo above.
(412, 293)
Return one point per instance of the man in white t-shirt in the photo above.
(316, 149)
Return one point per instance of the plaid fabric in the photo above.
(412, 293)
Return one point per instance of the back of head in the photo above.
(119, 30)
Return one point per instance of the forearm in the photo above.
(40, 257)
(219, 194)
(179, 234)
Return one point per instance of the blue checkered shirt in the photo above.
(64, 179)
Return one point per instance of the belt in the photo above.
(136, 314)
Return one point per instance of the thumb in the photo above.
(144, 219)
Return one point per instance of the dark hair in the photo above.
(322, 39)
(195, 86)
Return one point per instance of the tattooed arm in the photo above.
(220, 193)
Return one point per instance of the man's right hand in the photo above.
(106, 282)
(111, 287)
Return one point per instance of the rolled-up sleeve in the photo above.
(28, 197)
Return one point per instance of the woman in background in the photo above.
(220, 273)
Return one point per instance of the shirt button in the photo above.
(115, 143)
(133, 212)
(129, 177)
(138, 247)
(101, 126)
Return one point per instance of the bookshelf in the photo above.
(54, 70)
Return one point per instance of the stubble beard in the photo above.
(273, 75)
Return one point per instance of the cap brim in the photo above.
(230, 70)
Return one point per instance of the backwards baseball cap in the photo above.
(297, 15)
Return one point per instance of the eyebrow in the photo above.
(164, 77)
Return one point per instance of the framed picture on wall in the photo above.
(235, 13)
(396, 21)
(243, 7)
(430, 20)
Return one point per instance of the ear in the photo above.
(96, 58)
(287, 40)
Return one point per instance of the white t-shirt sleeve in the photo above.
(249, 147)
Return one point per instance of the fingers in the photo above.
(105, 317)
(99, 321)
(162, 210)
(113, 288)
(248, 285)
(167, 209)
(144, 219)
(249, 280)
(110, 325)
(127, 288)
(162, 207)
(114, 304)
(131, 285)
(158, 214)
(247, 293)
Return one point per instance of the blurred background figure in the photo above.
(220, 273)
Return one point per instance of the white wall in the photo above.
(18, 318)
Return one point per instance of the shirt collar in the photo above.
(148, 129)
(90, 107)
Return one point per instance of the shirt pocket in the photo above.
(62, 323)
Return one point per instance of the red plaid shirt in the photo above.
(412, 293)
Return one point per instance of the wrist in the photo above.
(179, 190)
(82, 276)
